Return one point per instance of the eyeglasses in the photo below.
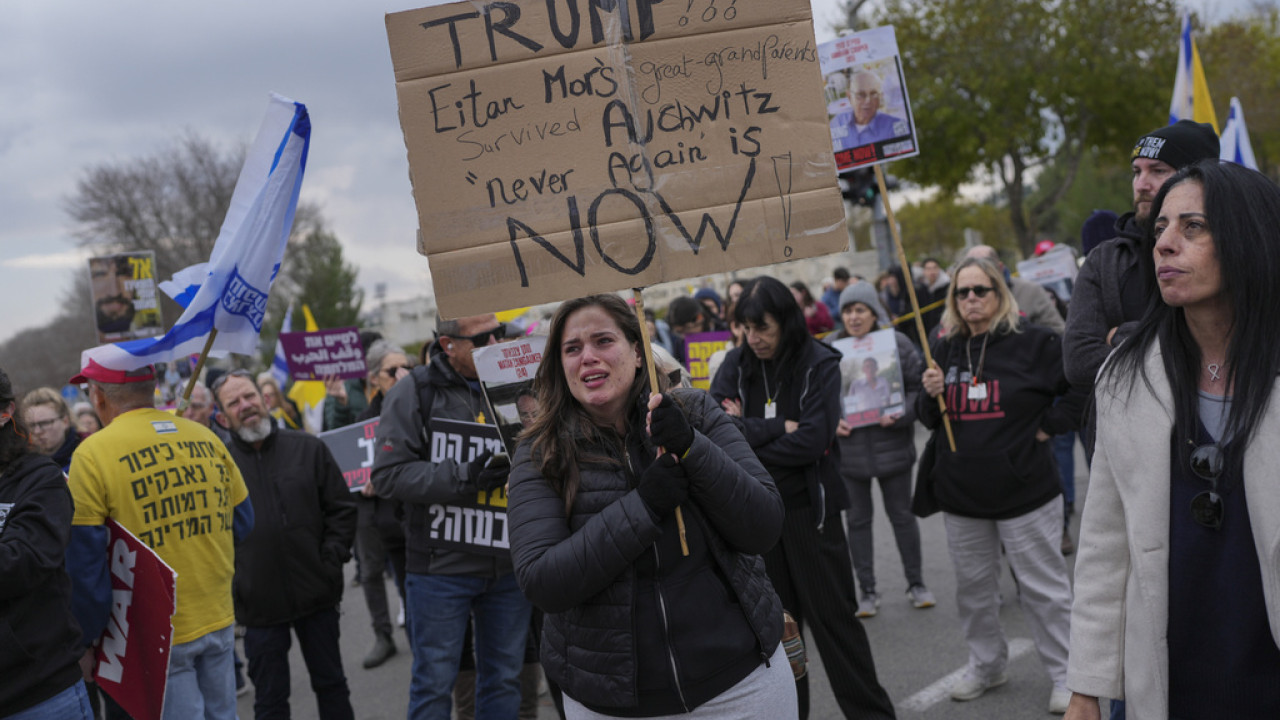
(43, 425)
(1207, 507)
(391, 371)
(482, 339)
(222, 379)
(979, 290)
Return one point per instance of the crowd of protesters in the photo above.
(668, 548)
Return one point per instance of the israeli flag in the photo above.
(1235, 143)
(229, 293)
(1190, 89)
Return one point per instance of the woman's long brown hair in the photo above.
(562, 432)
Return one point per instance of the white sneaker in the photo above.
(920, 596)
(868, 605)
(1059, 699)
(971, 686)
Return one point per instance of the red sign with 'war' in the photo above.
(133, 653)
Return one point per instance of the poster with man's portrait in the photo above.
(870, 378)
(125, 303)
(867, 102)
(506, 371)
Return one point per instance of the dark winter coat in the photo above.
(403, 471)
(39, 638)
(632, 627)
(1108, 293)
(805, 464)
(290, 565)
(878, 452)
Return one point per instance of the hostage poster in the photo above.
(125, 303)
(867, 104)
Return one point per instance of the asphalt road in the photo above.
(916, 651)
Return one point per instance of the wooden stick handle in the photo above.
(909, 281)
(195, 374)
(653, 388)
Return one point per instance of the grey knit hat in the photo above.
(865, 293)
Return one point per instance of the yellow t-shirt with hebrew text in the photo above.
(172, 483)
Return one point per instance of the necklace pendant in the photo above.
(1213, 369)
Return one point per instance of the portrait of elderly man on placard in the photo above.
(864, 123)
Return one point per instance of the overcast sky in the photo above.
(86, 83)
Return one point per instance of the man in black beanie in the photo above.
(1118, 277)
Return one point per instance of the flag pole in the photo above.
(653, 388)
(911, 293)
(195, 374)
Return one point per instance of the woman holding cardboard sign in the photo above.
(1000, 487)
(635, 627)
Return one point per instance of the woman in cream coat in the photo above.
(1177, 596)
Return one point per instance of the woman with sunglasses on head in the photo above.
(1000, 487)
(645, 617)
(1178, 574)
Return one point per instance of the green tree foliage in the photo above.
(316, 274)
(934, 227)
(321, 278)
(1103, 182)
(1007, 86)
(1241, 58)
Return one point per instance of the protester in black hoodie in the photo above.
(785, 387)
(39, 638)
(1000, 486)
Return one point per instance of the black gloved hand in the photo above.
(664, 485)
(669, 428)
(494, 473)
(475, 468)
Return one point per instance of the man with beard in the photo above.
(1118, 277)
(289, 567)
(112, 301)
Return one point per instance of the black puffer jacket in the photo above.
(39, 638)
(874, 451)
(290, 565)
(623, 607)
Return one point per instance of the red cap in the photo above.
(1043, 247)
(94, 371)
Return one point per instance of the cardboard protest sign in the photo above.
(125, 303)
(581, 146)
(324, 353)
(352, 448)
(870, 377)
(698, 349)
(506, 372)
(479, 526)
(870, 112)
(1055, 270)
(133, 653)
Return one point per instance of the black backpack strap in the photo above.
(426, 395)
